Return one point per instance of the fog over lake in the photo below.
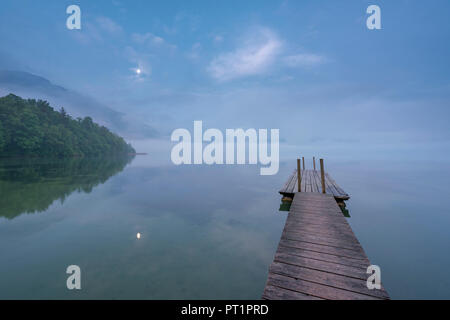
(206, 231)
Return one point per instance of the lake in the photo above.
(207, 232)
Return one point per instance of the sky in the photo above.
(311, 69)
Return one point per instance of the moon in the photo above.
(138, 71)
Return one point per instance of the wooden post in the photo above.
(314, 163)
(303, 159)
(322, 175)
(299, 176)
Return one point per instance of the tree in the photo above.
(2, 138)
(27, 134)
(30, 127)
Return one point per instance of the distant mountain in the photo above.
(28, 85)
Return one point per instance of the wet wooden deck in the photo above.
(311, 182)
(318, 256)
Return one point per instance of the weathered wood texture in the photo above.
(318, 256)
(311, 182)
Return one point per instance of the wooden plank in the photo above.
(315, 218)
(338, 260)
(308, 182)
(341, 231)
(319, 221)
(285, 187)
(330, 212)
(313, 205)
(313, 201)
(349, 271)
(311, 233)
(331, 186)
(315, 177)
(293, 183)
(338, 188)
(332, 215)
(311, 184)
(276, 293)
(313, 187)
(321, 249)
(323, 240)
(303, 181)
(326, 278)
(318, 181)
(326, 248)
(293, 233)
(316, 187)
(315, 289)
(329, 189)
(310, 187)
(318, 255)
(292, 186)
(334, 211)
(335, 184)
(316, 196)
(323, 228)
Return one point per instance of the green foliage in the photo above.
(33, 128)
(2, 137)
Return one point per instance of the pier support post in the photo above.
(299, 176)
(314, 163)
(303, 159)
(322, 175)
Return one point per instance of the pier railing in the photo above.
(322, 173)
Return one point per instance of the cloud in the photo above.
(218, 39)
(194, 53)
(304, 60)
(108, 25)
(147, 38)
(95, 31)
(257, 53)
(90, 34)
(153, 41)
(253, 57)
(28, 85)
(183, 22)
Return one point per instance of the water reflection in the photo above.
(343, 208)
(285, 204)
(200, 238)
(32, 185)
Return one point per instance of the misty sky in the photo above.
(310, 68)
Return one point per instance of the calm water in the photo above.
(207, 231)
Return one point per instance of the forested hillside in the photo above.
(33, 128)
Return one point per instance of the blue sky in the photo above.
(310, 68)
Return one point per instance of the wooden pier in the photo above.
(318, 256)
(311, 182)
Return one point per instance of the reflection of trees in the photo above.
(32, 185)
